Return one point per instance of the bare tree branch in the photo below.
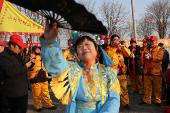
(159, 9)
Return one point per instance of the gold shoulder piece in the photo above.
(60, 87)
(48, 44)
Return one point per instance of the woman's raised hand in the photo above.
(51, 30)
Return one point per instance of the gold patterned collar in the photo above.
(94, 66)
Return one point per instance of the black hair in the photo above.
(160, 44)
(81, 39)
(112, 37)
(132, 41)
(14, 44)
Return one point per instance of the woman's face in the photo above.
(86, 51)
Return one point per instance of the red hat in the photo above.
(148, 38)
(108, 37)
(133, 40)
(154, 38)
(2, 44)
(144, 40)
(17, 39)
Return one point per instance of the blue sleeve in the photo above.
(113, 103)
(52, 57)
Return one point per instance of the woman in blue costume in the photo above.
(83, 85)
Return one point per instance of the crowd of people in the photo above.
(92, 79)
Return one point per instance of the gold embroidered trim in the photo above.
(85, 108)
(88, 104)
(48, 44)
(78, 78)
(101, 78)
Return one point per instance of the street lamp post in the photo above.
(134, 22)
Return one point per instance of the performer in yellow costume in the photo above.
(146, 46)
(117, 54)
(153, 72)
(39, 89)
(68, 53)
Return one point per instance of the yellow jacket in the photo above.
(117, 56)
(67, 55)
(36, 67)
(153, 66)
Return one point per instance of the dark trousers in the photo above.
(18, 104)
(4, 107)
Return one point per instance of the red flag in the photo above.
(32, 33)
(37, 33)
(116, 21)
(149, 20)
(8, 33)
(2, 33)
(26, 33)
(14, 33)
(20, 33)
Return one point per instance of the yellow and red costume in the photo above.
(117, 55)
(67, 55)
(153, 74)
(40, 90)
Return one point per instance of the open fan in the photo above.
(70, 14)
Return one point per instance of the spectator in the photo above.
(39, 84)
(14, 72)
(135, 68)
(3, 100)
(106, 42)
(165, 62)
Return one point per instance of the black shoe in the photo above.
(39, 110)
(127, 107)
(158, 104)
(143, 103)
(52, 108)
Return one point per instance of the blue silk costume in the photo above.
(99, 95)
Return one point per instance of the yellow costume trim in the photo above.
(76, 57)
(48, 44)
(84, 108)
(72, 93)
(57, 86)
(88, 104)
(116, 87)
(101, 78)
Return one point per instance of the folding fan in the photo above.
(70, 14)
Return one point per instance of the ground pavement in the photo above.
(135, 99)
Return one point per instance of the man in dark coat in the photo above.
(14, 72)
(105, 47)
(106, 42)
(165, 60)
(4, 108)
(165, 63)
(134, 68)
